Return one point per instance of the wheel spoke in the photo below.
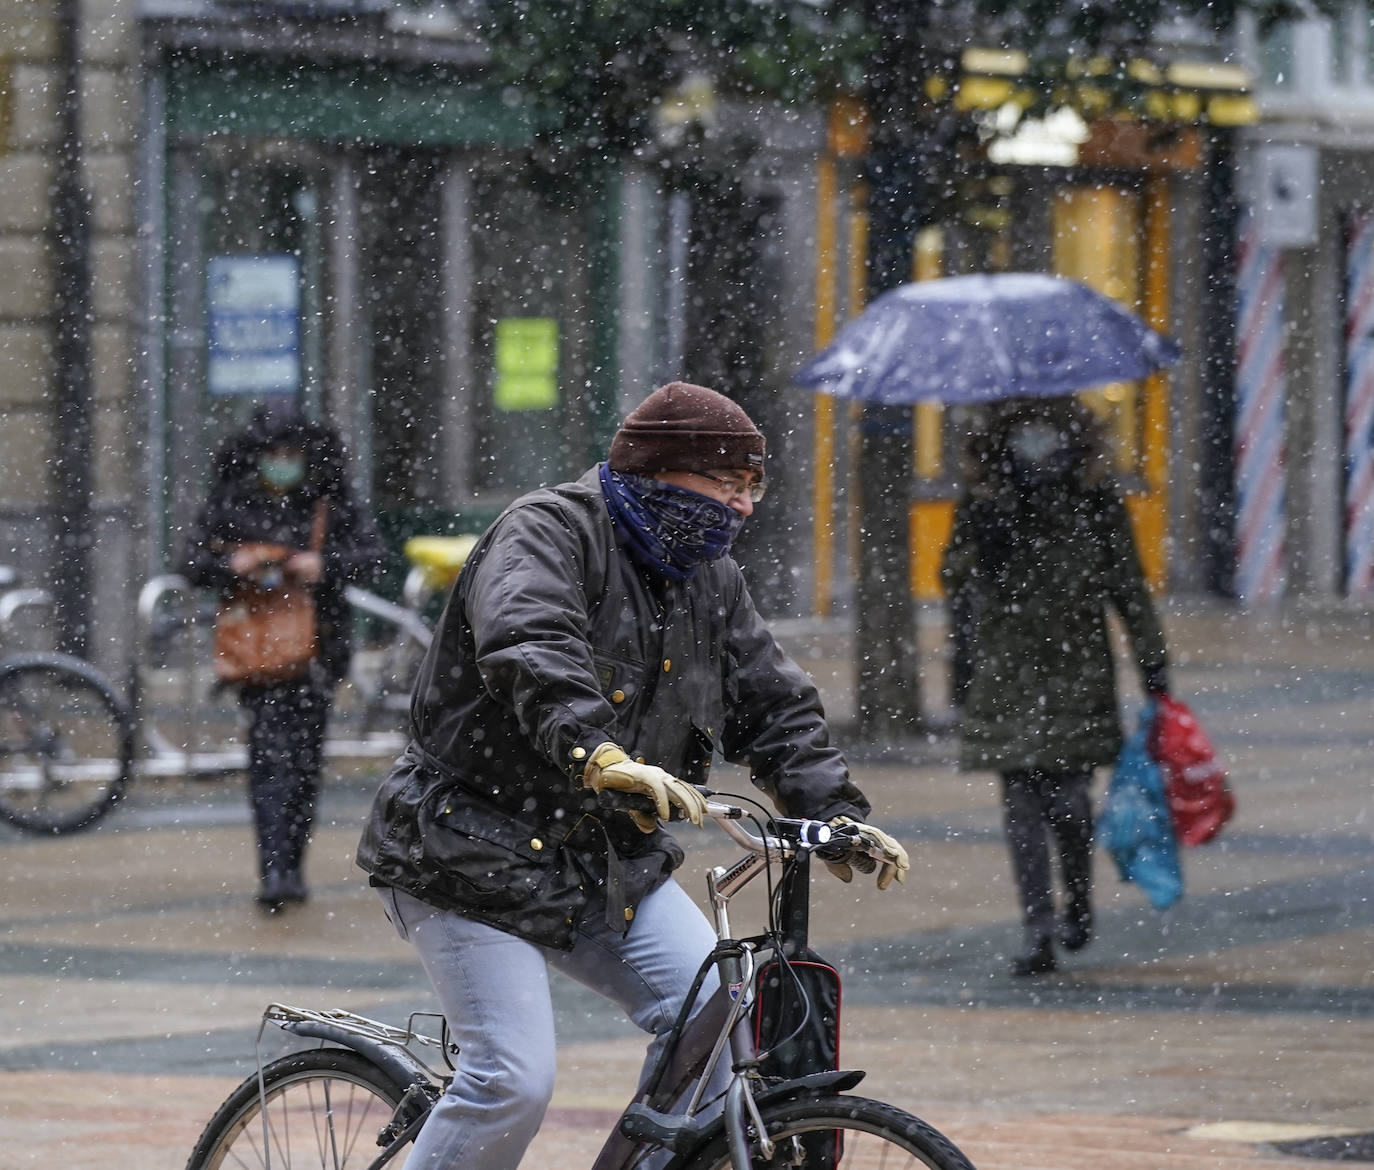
(319, 1104)
(65, 743)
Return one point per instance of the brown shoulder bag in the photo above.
(267, 635)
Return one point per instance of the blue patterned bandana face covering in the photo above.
(669, 529)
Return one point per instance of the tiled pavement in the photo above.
(133, 965)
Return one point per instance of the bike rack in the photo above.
(164, 759)
(14, 601)
(399, 615)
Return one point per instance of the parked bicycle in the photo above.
(359, 1099)
(66, 737)
(71, 741)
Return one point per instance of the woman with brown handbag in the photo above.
(281, 523)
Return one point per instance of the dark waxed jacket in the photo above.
(1036, 574)
(239, 510)
(552, 643)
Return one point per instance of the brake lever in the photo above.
(844, 841)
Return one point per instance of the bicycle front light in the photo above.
(810, 834)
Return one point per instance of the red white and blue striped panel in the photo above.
(1261, 571)
(1359, 405)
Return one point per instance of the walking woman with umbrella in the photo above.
(1041, 547)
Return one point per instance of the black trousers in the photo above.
(285, 753)
(1036, 806)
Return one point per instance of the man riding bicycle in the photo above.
(599, 639)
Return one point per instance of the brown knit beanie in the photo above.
(681, 427)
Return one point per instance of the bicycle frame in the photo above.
(696, 1045)
(722, 1024)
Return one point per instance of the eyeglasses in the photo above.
(737, 485)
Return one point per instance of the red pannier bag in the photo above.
(1200, 800)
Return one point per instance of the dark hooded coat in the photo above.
(240, 509)
(1036, 570)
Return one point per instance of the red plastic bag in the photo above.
(1200, 800)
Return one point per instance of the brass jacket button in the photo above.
(536, 843)
(579, 753)
(617, 696)
(629, 913)
(667, 665)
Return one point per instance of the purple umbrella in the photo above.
(966, 339)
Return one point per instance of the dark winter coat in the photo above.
(554, 642)
(1035, 573)
(239, 510)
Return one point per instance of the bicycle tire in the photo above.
(870, 1134)
(325, 1109)
(66, 743)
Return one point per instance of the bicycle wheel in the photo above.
(66, 743)
(325, 1110)
(842, 1133)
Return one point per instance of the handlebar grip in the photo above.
(613, 800)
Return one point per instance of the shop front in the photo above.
(369, 236)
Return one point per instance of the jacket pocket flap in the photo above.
(487, 824)
(618, 675)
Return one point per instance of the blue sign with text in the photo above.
(254, 321)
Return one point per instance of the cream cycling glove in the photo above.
(894, 863)
(610, 768)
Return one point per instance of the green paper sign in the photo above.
(526, 364)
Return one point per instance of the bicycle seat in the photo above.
(439, 557)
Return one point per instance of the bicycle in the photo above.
(360, 1098)
(70, 743)
(66, 737)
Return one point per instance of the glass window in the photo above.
(1339, 49)
(1362, 26)
(1277, 55)
(257, 220)
(400, 284)
(528, 270)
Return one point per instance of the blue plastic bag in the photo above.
(1135, 826)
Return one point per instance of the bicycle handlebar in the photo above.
(787, 835)
(829, 842)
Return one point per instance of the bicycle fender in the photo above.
(811, 1085)
(396, 1062)
(841, 1080)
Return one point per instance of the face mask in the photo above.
(1036, 443)
(282, 472)
(1040, 452)
(668, 528)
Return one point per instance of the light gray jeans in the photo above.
(494, 992)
